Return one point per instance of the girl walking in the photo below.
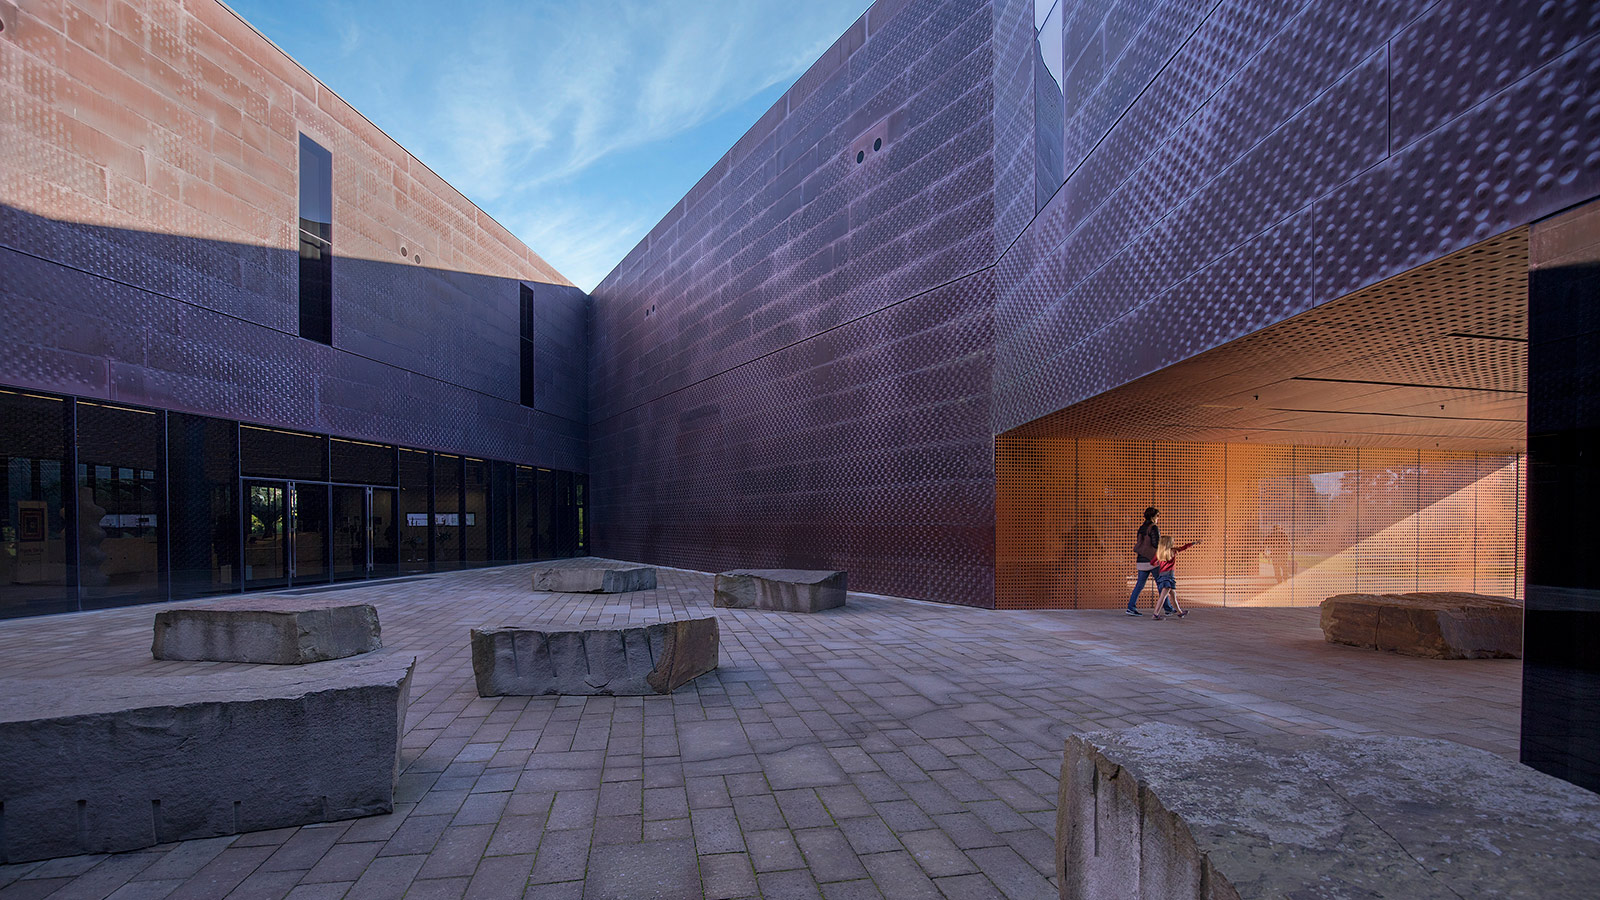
(1166, 559)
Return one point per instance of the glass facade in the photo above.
(104, 505)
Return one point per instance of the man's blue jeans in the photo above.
(1133, 599)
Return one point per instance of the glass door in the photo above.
(350, 533)
(309, 530)
(385, 540)
(266, 523)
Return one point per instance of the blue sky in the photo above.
(576, 124)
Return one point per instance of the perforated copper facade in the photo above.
(1225, 167)
(807, 361)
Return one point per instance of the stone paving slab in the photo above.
(944, 727)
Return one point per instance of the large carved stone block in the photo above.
(641, 660)
(591, 580)
(1434, 625)
(99, 765)
(785, 590)
(1161, 812)
(278, 630)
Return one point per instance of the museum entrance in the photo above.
(298, 533)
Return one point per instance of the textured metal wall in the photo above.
(1228, 165)
(1286, 153)
(148, 206)
(793, 368)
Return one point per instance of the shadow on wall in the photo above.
(421, 356)
(1279, 525)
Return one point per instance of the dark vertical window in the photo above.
(202, 486)
(501, 513)
(526, 527)
(544, 522)
(316, 242)
(525, 344)
(415, 512)
(566, 517)
(1049, 110)
(36, 574)
(447, 545)
(475, 512)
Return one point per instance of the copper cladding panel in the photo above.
(1279, 525)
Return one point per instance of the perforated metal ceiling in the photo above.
(1436, 357)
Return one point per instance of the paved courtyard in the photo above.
(888, 749)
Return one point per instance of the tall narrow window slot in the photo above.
(316, 242)
(526, 346)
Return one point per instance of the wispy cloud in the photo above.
(576, 124)
(554, 88)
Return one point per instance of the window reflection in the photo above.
(135, 505)
(119, 505)
(34, 573)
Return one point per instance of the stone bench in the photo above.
(1433, 625)
(633, 661)
(590, 580)
(1161, 812)
(277, 630)
(784, 590)
(99, 765)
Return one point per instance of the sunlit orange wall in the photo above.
(1279, 525)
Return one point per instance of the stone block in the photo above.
(783, 590)
(1162, 812)
(1433, 625)
(277, 630)
(592, 580)
(634, 661)
(100, 765)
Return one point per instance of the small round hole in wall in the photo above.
(403, 252)
(877, 145)
(417, 259)
(861, 155)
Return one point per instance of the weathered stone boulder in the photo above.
(99, 765)
(1161, 812)
(634, 661)
(1434, 625)
(278, 630)
(785, 590)
(592, 580)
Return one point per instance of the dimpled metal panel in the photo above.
(1013, 118)
(1389, 133)
(786, 370)
(859, 449)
